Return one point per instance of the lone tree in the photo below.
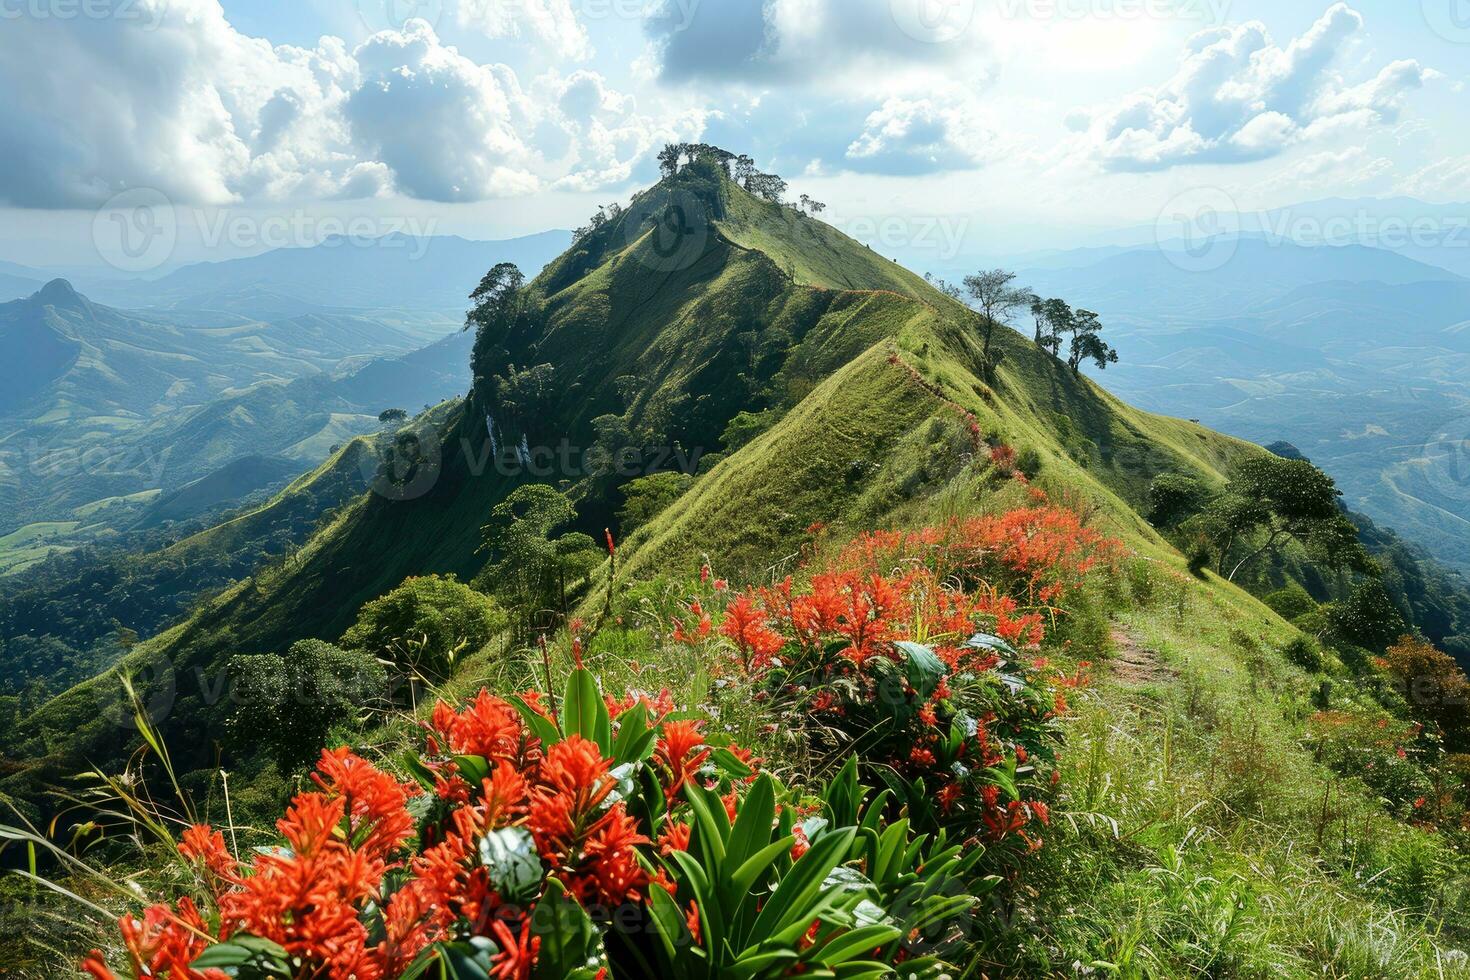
(997, 301)
(1084, 326)
(392, 416)
(532, 566)
(1271, 501)
(1054, 320)
(497, 298)
(496, 304)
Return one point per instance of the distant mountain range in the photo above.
(151, 399)
(1360, 356)
(396, 272)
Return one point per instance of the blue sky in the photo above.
(1029, 122)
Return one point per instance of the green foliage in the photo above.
(1291, 603)
(1173, 498)
(289, 705)
(1271, 500)
(745, 426)
(1367, 617)
(532, 568)
(644, 498)
(425, 625)
(1303, 652)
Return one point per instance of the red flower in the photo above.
(746, 626)
(681, 749)
(489, 728)
(163, 943)
(206, 849)
(674, 838)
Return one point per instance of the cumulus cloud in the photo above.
(448, 129)
(552, 23)
(179, 101)
(912, 136)
(173, 98)
(780, 41)
(1238, 96)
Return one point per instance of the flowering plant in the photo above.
(590, 840)
(906, 650)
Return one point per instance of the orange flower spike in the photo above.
(517, 956)
(675, 837)
(96, 967)
(681, 749)
(376, 803)
(206, 848)
(745, 625)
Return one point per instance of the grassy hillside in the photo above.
(1203, 827)
(861, 434)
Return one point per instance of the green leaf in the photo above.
(858, 942)
(923, 668)
(711, 916)
(752, 829)
(539, 724)
(473, 768)
(634, 741)
(793, 897)
(247, 956)
(987, 641)
(569, 940)
(584, 712)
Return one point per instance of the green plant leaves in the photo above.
(571, 948)
(584, 712)
(923, 668)
(246, 957)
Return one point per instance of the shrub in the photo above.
(644, 498)
(1291, 603)
(745, 427)
(1173, 498)
(425, 624)
(577, 844)
(1375, 750)
(1435, 687)
(1304, 653)
(288, 705)
(1199, 555)
(1367, 617)
(920, 668)
(1029, 463)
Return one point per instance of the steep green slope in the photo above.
(657, 334)
(64, 619)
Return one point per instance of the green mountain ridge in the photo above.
(744, 307)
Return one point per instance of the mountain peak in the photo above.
(59, 293)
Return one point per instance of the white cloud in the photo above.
(183, 103)
(1446, 180)
(553, 23)
(806, 41)
(449, 129)
(173, 99)
(1238, 96)
(920, 136)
